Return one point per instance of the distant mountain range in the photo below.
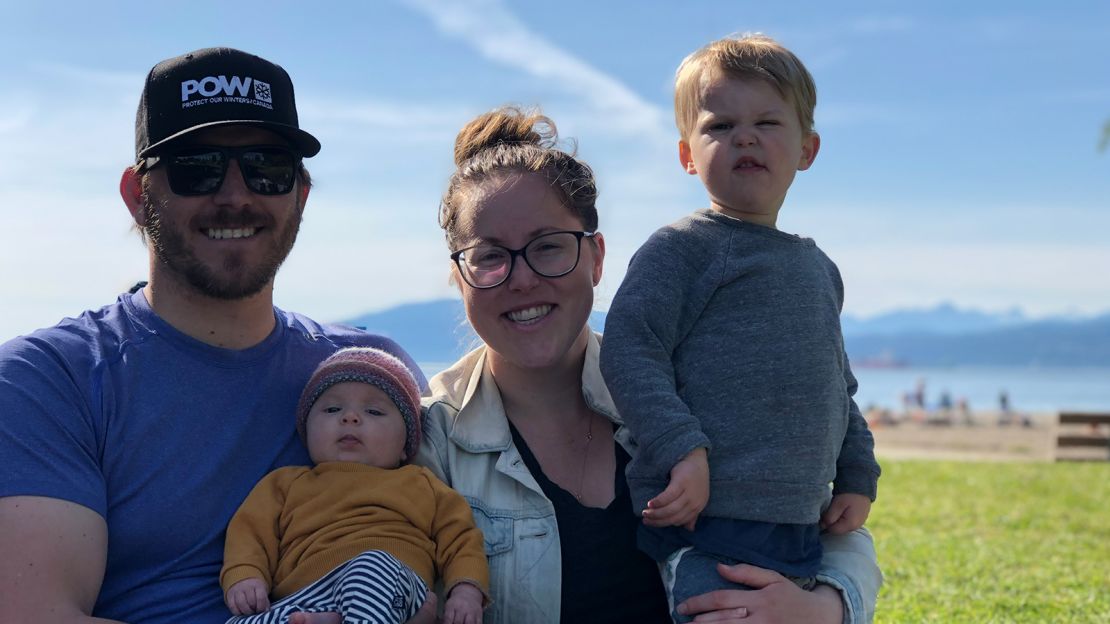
(944, 319)
(437, 332)
(432, 331)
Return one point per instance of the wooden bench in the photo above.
(1083, 436)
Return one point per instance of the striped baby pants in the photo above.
(372, 588)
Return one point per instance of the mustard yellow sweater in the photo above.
(300, 522)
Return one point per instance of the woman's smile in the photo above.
(530, 315)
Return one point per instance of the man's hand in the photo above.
(846, 513)
(464, 605)
(686, 495)
(248, 596)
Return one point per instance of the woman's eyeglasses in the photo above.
(200, 169)
(551, 255)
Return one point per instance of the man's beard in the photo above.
(235, 279)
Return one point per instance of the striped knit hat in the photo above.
(374, 367)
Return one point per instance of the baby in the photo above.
(360, 533)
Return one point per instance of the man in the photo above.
(130, 434)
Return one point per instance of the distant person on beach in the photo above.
(360, 532)
(525, 429)
(907, 406)
(723, 349)
(130, 434)
(919, 395)
(1007, 415)
(963, 408)
(944, 409)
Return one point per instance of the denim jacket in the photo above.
(467, 443)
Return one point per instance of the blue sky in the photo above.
(958, 158)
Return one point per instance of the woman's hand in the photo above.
(775, 600)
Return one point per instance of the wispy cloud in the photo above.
(14, 119)
(382, 114)
(82, 108)
(358, 122)
(826, 47)
(628, 140)
(497, 34)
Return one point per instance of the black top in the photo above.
(606, 579)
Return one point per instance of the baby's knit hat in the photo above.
(374, 367)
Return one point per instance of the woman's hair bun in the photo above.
(508, 125)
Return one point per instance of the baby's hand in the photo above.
(464, 605)
(685, 496)
(846, 513)
(248, 596)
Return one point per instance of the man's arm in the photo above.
(53, 563)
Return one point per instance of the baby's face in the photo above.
(356, 422)
(746, 145)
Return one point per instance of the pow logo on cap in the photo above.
(262, 91)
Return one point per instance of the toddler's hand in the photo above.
(248, 596)
(685, 496)
(846, 513)
(464, 605)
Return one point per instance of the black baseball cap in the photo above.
(217, 87)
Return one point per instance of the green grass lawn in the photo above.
(993, 542)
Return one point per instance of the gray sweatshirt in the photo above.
(726, 335)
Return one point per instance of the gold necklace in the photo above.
(585, 456)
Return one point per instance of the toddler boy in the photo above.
(722, 347)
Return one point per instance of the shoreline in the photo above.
(984, 439)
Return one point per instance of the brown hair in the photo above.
(750, 56)
(510, 140)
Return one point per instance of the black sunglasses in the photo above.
(200, 169)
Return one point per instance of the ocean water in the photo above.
(1029, 389)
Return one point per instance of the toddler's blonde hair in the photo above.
(747, 57)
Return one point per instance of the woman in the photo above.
(524, 428)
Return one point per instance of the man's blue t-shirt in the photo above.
(162, 435)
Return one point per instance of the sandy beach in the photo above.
(983, 440)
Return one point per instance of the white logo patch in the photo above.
(222, 89)
(262, 91)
